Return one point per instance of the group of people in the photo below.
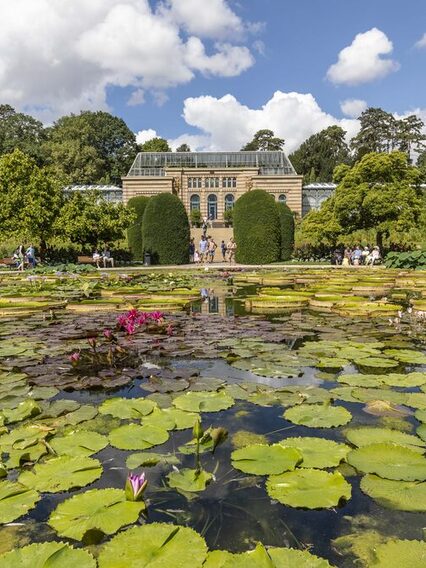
(104, 257)
(24, 257)
(206, 250)
(367, 256)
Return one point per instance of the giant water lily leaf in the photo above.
(26, 409)
(127, 407)
(191, 480)
(369, 435)
(361, 380)
(15, 501)
(400, 554)
(376, 363)
(47, 555)
(401, 495)
(155, 544)
(203, 401)
(135, 437)
(85, 412)
(404, 380)
(103, 509)
(318, 453)
(261, 459)
(79, 443)
(388, 395)
(407, 356)
(389, 461)
(310, 488)
(62, 473)
(58, 408)
(24, 436)
(149, 459)
(318, 416)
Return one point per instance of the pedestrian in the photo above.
(30, 254)
(211, 249)
(231, 247)
(203, 247)
(196, 257)
(223, 249)
(191, 250)
(20, 257)
(204, 226)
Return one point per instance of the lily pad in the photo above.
(400, 554)
(103, 509)
(156, 543)
(401, 495)
(310, 488)
(26, 409)
(62, 473)
(79, 443)
(15, 500)
(47, 555)
(127, 407)
(376, 363)
(407, 356)
(291, 558)
(149, 459)
(318, 453)
(203, 401)
(261, 459)
(135, 437)
(389, 461)
(318, 416)
(369, 435)
(191, 480)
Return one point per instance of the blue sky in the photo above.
(214, 71)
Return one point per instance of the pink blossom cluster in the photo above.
(134, 319)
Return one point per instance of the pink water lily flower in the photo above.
(74, 358)
(135, 486)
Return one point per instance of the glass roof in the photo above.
(154, 163)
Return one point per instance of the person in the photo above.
(30, 254)
(211, 249)
(196, 257)
(107, 258)
(204, 226)
(96, 258)
(347, 257)
(365, 253)
(231, 247)
(19, 258)
(191, 250)
(356, 256)
(203, 247)
(210, 221)
(374, 256)
(223, 249)
(337, 257)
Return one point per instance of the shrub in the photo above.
(165, 230)
(228, 216)
(256, 228)
(413, 259)
(195, 216)
(134, 233)
(287, 230)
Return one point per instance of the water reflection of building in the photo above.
(218, 304)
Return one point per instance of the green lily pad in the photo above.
(47, 555)
(15, 500)
(376, 363)
(61, 474)
(103, 509)
(79, 443)
(318, 416)
(182, 418)
(149, 459)
(318, 453)
(26, 409)
(58, 408)
(30, 454)
(189, 479)
(244, 438)
(370, 435)
(160, 418)
(203, 401)
(136, 437)
(400, 554)
(24, 436)
(401, 495)
(360, 380)
(407, 356)
(158, 544)
(389, 461)
(261, 459)
(388, 395)
(407, 380)
(127, 407)
(291, 558)
(310, 488)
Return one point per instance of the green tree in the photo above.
(377, 133)
(155, 145)
(256, 228)
(165, 230)
(19, 131)
(30, 199)
(410, 134)
(320, 154)
(264, 140)
(134, 232)
(183, 148)
(287, 230)
(88, 219)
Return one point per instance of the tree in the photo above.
(377, 133)
(88, 219)
(20, 131)
(134, 232)
(264, 140)
(287, 230)
(256, 228)
(165, 230)
(318, 156)
(155, 145)
(410, 134)
(183, 148)
(30, 199)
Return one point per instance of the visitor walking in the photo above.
(211, 249)
(231, 247)
(196, 257)
(191, 250)
(204, 226)
(19, 257)
(203, 247)
(223, 249)
(30, 254)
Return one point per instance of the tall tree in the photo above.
(155, 145)
(410, 134)
(377, 133)
(264, 140)
(19, 131)
(320, 154)
(183, 148)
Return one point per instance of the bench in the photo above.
(8, 262)
(85, 260)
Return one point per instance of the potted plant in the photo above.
(228, 217)
(195, 217)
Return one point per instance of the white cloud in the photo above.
(136, 98)
(145, 135)
(227, 124)
(422, 41)
(60, 57)
(353, 107)
(362, 61)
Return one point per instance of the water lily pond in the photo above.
(266, 419)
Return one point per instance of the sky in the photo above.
(212, 72)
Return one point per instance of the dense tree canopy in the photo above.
(320, 154)
(264, 140)
(20, 131)
(155, 145)
(183, 148)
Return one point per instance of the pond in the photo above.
(278, 417)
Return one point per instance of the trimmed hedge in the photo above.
(256, 228)
(287, 230)
(412, 259)
(134, 233)
(165, 230)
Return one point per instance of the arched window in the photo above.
(194, 202)
(212, 206)
(229, 201)
(282, 198)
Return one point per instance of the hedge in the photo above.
(134, 233)
(256, 228)
(165, 230)
(287, 230)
